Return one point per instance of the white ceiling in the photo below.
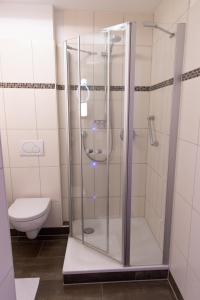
(138, 6)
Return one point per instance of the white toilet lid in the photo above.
(24, 209)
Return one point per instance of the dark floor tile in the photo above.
(157, 290)
(55, 290)
(27, 249)
(39, 238)
(45, 268)
(52, 237)
(53, 248)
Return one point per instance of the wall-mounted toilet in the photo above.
(29, 214)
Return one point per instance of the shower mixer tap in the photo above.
(92, 152)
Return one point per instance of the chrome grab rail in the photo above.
(152, 134)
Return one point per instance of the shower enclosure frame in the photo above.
(127, 134)
(128, 139)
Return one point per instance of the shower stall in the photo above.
(120, 160)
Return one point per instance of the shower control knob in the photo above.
(99, 151)
(89, 151)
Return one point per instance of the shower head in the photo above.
(153, 25)
(115, 38)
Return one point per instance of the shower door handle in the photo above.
(122, 134)
(152, 134)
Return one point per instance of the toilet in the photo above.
(29, 214)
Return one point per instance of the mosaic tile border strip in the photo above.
(114, 88)
(142, 88)
(161, 84)
(118, 88)
(191, 74)
(61, 87)
(91, 87)
(15, 85)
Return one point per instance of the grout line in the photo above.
(172, 289)
(102, 291)
(42, 245)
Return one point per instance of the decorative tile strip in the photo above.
(91, 87)
(186, 76)
(60, 87)
(15, 85)
(191, 74)
(98, 88)
(142, 88)
(117, 88)
(162, 84)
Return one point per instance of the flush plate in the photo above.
(31, 147)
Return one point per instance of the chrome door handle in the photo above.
(122, 134)
(152, 133)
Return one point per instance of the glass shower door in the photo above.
(94, 124)
(99, 124)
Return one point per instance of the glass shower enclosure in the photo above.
(104, 146)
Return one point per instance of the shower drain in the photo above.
(88, 230)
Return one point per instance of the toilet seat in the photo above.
(28, 209)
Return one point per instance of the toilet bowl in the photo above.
(29, 214)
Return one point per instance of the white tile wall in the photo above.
(26, 21)
(51, 148)
(50, 182)
(181, 231)
(8, 182)
(30, 113)
(185, 169)
(2, 110)
(25, 182)
(169, 11)
(5, 149)
(143, 37)
(143, 65)
(178, 267)
(20, 108)
(106, 19)
(16, 55)
(138, 207)
(196, 200)
(46, 118)
(139, 180)
(43, 61)
(192, 286)
(55, 216)
(140, 146)
(192, 60)
(14, 144)
(190, 111)
(77, 22)
(194, 244)
(141, 109)
(184, 254)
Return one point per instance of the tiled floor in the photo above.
(44, 258)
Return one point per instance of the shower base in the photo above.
(84, 264)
